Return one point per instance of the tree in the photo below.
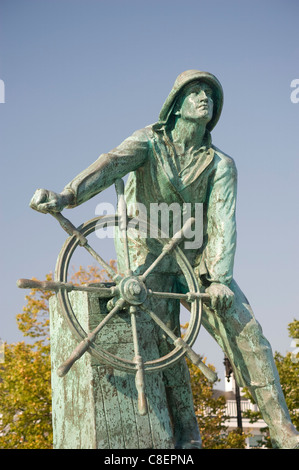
(288, 369)
(211, 414)
(25, 380)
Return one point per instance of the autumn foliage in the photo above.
(25, 380)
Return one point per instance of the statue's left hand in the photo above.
(222, 297)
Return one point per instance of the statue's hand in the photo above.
(47, 201)
(222, 297)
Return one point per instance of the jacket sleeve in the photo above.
(218, 256)
(128, 156)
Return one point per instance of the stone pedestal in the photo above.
(95, 406)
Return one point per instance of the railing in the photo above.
(231, 407)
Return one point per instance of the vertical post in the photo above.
(239, 412)
(228, 372)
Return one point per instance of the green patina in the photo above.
(172, 161)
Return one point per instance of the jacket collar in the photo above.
(166, 154)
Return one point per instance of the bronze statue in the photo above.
(174, 161)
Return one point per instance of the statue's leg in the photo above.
(176, 377)
(180, 402)
(242, 339)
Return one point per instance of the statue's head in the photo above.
(188, 82)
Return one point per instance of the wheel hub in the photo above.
(133, 291)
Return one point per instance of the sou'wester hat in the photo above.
(184, 79)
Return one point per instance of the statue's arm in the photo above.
(101, 174)
(218, 255)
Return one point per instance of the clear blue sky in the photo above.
(82, 75)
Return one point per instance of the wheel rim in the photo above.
(61, 274)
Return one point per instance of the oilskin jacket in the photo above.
(209, 177)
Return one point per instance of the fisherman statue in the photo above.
(174, 161)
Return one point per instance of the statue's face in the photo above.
(197, 103)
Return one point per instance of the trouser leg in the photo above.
(272, 405)
(241, 338)
(176, 377)
(180, 402)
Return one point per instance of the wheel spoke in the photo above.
(84, 345)
(159, 322)
(175, 240)
(189, 296)
(139, 380)
(115, 276)
(73, 231)
(102, 292)
(179, 342)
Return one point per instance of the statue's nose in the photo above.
(203, 96)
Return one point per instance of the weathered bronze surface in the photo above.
(96, 406)
(174, 161)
